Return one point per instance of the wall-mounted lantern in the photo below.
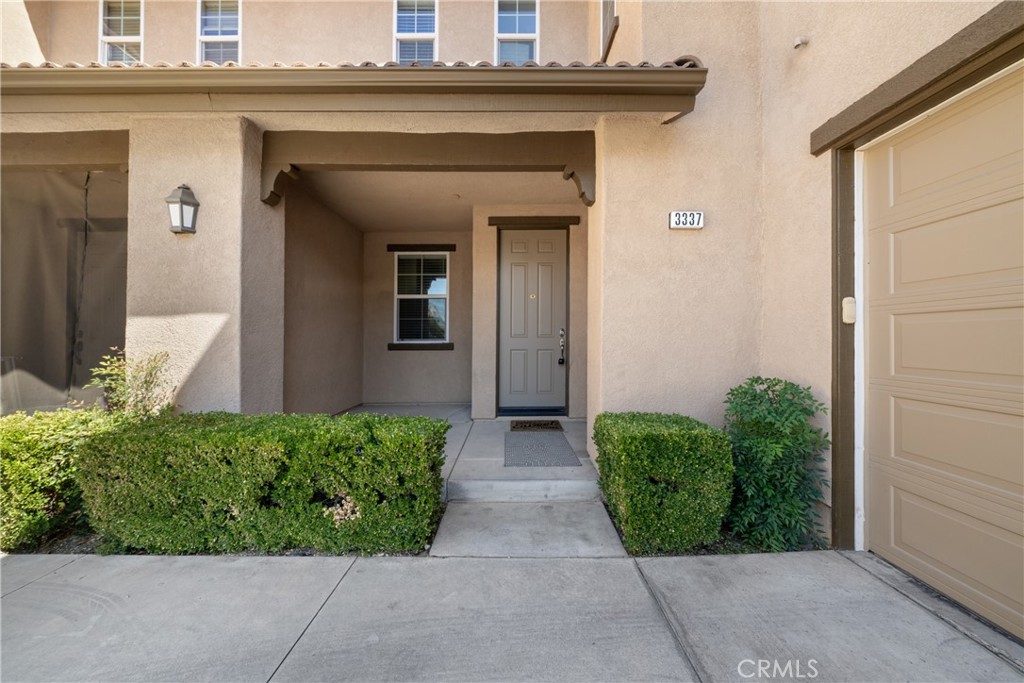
(184, 207)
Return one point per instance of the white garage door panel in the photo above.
(959, 548)
(980, 247)
(931, 446)
(944, 279)
(937, 435)
(926, 177)
(977, 345)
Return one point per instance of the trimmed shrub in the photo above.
(777, 452)
(38, 456)
(220, 482)
(667, 479)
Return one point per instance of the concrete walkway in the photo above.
(824, 616)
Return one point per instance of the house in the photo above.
(548, 207)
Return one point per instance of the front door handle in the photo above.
(561, 346)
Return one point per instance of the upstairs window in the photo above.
(121, 31)
(421, 297)
(219, 28)
(415, 31)
(517, 31)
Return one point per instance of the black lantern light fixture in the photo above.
(184, 207)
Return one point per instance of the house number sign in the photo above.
(686, 220)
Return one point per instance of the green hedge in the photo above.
(38, 455)
(667, 479)
(220, 482)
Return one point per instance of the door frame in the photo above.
(561, 223)
(985, 47)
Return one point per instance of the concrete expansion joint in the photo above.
(312, 619)
(664, 609)
(40, 578)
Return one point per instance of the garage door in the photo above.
(944, 232)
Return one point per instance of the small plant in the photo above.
(777, 452)
(136, 386)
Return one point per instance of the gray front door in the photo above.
(532, 334)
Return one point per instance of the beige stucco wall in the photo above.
(213, 300)
(18, 39)
(564, 31)
(485, 304)
(73, 32)
(415, 376)
(796, 247)
(454, 42)
(680, 310)
(170, 33)
(329, 30)
(323, 312)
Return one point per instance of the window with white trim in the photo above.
(415, 31)
(219, 30)
(517, 31)
(421, 297)
(120, 31)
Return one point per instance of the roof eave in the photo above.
(606, 80)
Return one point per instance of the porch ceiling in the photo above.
(378, 201)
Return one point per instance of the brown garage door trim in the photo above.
(985, 47)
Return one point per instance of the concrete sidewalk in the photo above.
(824, 616)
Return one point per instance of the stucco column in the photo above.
(213, 300)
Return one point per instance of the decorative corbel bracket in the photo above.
(275, 179)
(585, 179)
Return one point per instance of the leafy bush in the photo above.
(667, 479)
(222, 482)
(777, 451)
(136, 386)
(37, 467)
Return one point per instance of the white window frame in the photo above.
(106, 40)
(499, 38)
(200, 38)
(447, 297)
(413, 37)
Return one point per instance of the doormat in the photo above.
(538, 449)
(536, 426)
